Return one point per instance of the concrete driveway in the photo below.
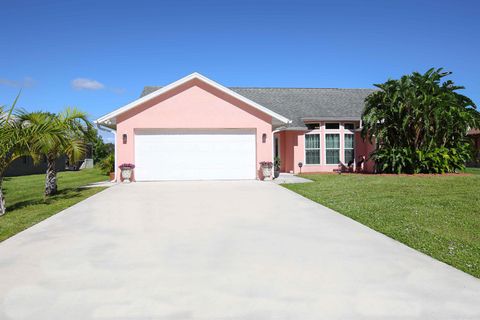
(220, 250)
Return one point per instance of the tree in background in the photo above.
(75, 132)
(419, 124)
(101, 150)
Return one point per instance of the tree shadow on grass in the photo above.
(63, 194)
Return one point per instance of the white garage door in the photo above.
(194, 155)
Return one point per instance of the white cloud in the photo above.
(27, 82)
(86, 84)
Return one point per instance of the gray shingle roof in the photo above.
(299, 103)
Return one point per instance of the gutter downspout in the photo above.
(114, 132)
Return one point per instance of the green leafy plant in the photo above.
(107, 164)
(277, 163)
(20, 137)
(74, 130)
(419, 124)
(101, 150)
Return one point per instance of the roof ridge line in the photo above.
(307, 88)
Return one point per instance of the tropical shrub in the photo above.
(20, 137)
(419, 124)
(107, 164)
(101, 150)
(74, 130)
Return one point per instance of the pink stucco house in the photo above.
(197, 129)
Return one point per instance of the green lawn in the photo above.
(26, 205)
(472, 170)
(437, 215)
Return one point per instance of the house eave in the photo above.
(280, 129)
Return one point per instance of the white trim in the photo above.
(107, 119)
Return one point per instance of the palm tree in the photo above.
(19, 138)
(74, 129)
(419, 123)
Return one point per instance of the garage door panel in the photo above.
(204, 155)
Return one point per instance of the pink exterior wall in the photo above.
(364, 148)
(193, 105)
(292, 150)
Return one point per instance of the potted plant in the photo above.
(276, 167)
(127, 169)
(266, 169)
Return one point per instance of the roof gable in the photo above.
(110, 118)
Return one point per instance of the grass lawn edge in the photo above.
(461, 235)
(26, 206)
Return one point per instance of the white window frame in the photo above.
(337, 132)
(332, 131)
(319, 149)
(348, 132)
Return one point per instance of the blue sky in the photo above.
(98, 55)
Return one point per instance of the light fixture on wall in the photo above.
(124, 138)
(264, 137)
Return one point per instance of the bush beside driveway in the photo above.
(437, 215)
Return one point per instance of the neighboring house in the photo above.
(24, 166)
(196, 128)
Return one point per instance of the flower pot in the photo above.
(126, 174)
(276, 173)
(112, 176)
(267, 173)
